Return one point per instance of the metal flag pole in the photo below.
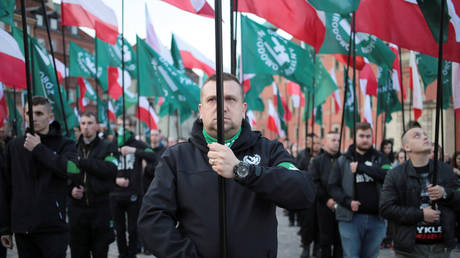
(123, 67)
(26, 56)
(233, 33)
(401, 90)
(355, 111)
(434, 179)
(61, 102)
(220, 126)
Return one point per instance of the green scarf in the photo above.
(209, 139)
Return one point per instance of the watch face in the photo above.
(242, 171)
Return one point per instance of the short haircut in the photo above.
(225, 77)
(40, 100)
(333, 132)
(363, 126)
(129, 120)
(413, 124)
(89, 114)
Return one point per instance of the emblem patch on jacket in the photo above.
(252, 160)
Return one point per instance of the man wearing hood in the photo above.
(33, 187)
(179, 214)
(354, 184)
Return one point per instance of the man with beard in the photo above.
(354, 183)
(319, 169)
(91, 229)
(179, 214)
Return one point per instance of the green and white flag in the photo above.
(431, 10)
(15, 118)
(324, 84)
(45, 84)
(7, 11)
(350, 105)
(266, 52)
(387, 96)
(83, 64)
(337, 41)
(177, 58)
(258, 84)
(335, 6)
(110, 55)
(428, 69)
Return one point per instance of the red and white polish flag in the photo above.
(92, 14)
(3, 107)
(115, 80)
(396, 72)
(193, 58)
(146, 114)
(456, 88)
(200, 7)
(251, 118)
(81, 101)
(111, 113)
(416, 87)
(153, 41)
(336, 94)
(12, 68)
(367, 80)
(273, 121)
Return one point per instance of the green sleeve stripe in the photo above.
(72, 168)
(148, 150)
(112, 159)
(386, 166)
(288, 165)
(458, 189)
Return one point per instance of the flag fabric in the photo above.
(146, 114)
(193, 58)
(82, 64)
(92, 14)
(273, 121)
(200, 7)
(257, 85)
(431, 11)
(336, 94)
(367, 80)
(111, 113)
(387, 96)
(110, 55)
(417, 100)
(7, 11)
(130, 101)
(383, 19)
(115, 81)
(303, 23)
(333, 6)
(349, 106)
(456, 88)
(368, 110)
(81, 94)
(324, 84)
(295, 92)
(345, 60)
(46, 84)
(3, 106)
(251, 118)
(317, 115)
(13, 71)
(396, 73)
(428, 69)
(278, 102)
(153, 41)
(176, 56)
(61, 69)
(266, 52)
(337, 41)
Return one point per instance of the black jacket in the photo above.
(33, 187)
(98, 169)
(149, 172)
(185, 190)
(341, 183)
(400, 202)
(319, 170)
(132, 170)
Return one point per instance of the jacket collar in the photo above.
(409, 167)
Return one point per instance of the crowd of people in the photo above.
(162, 198)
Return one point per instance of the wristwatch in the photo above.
(241, 171)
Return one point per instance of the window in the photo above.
(53, 24)
(39, 18)
(74, 30)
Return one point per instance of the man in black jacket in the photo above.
(354, 183)
(409, 199)
(128, 192)
(91, 229)
(158, 149)
(33, 187)
(179, 214)
(319, 169)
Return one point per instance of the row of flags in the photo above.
(327, 30)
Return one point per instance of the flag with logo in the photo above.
(337, 41)
(7, 11)
(387, 97)
(82, 64)
(252, 96)
(428, 68)
(334, 6)
(266, 52)
(110, 55)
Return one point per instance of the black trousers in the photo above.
(2, 251)
(308, 226)
(42, 245)
(126, 211)
(329, 235)
(91, 231)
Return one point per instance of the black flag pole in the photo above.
(123, 67)
(220, 126)
(64, 54)
(61, 102)
(26, 57)
(233, 17)
(438, 96)
(355, 111)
